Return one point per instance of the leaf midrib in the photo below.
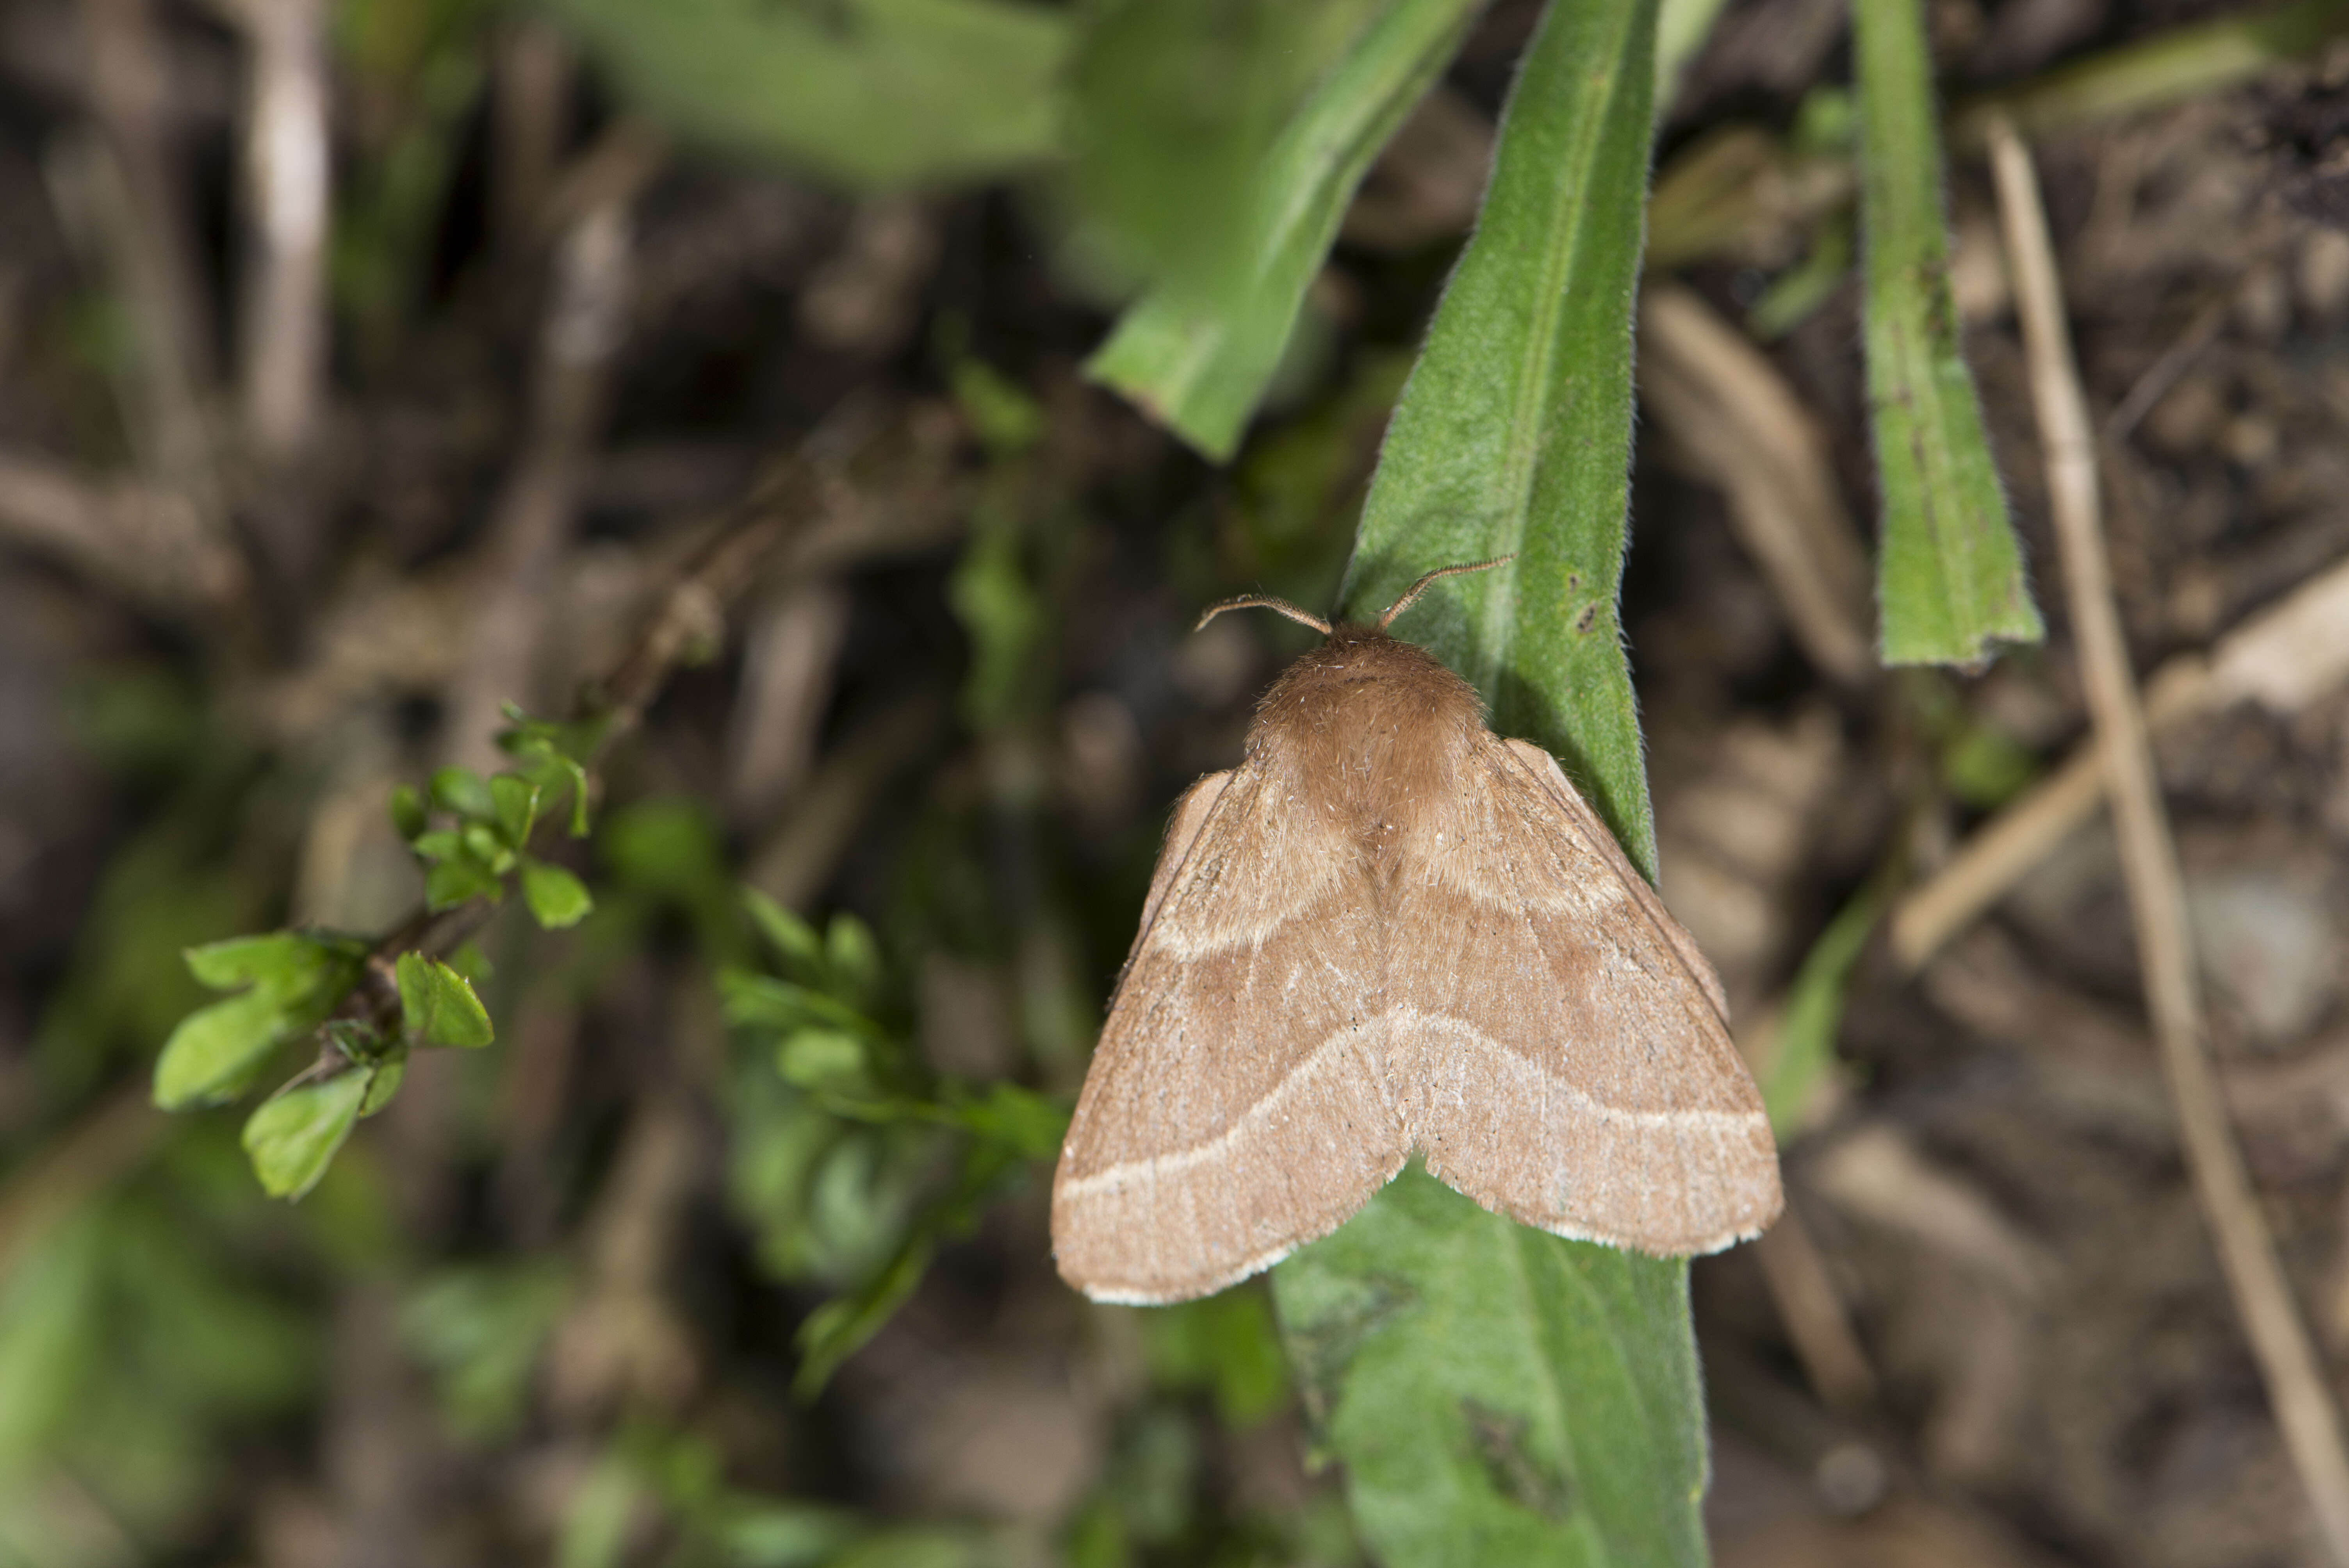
(1532, 402)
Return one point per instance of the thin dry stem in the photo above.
(2163, 373)
(1804, 1293)
(533, 62)
(586, 314)
(1746, 429)
(2280, 1340)
(147, 542)
(287, 162)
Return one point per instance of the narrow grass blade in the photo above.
(2171, 67)
(1497, 1394)
(1197, 363)
(1948, 574)
(1813, 1010)
(1513, 432)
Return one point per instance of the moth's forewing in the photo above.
(1555, 1039)
(1236, 1106)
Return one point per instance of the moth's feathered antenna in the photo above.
(1265, 602)
(1417, 589)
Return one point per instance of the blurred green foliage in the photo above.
(1198, 351)
(838, 1120)
(868, 92)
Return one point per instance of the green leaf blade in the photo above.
(557, 898)
(1498, 1395)
(439, 1007)
(215, 1053)
(292, 1138)
(1513, 432)
(1200, 365)
(1950, 574)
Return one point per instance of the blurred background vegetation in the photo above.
(368, 364)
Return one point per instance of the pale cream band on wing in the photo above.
(1358, 1035)
(1307, 1067)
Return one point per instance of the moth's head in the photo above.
(1342, 634)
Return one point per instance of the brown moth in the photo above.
(1388, 930)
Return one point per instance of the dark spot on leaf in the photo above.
(1587, 619)
(1320, 1351)
(1517, 1474)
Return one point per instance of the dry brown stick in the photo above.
(130, 537)
(1728, 407)
(1795, 1274)
(2164, 372)
(2287, 1358)
(586, 314)
(530, 105)
(287, 169)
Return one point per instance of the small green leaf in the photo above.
(216, 1051)
(1950, 577)
(854, 957)
(578, 775)
(488, 849)
(814, 1058)
(998, 607)
(410, 815)
(438, 844)
(761, 1001)
(555, 897)
(1200, 365)
(286, 963)
(1030, 1124)
(792, 938)
(1006, 420)
(383, 1083)
(294, 1136)
(514, 800)
(438, 1006)
(460, 878)
(464, 792)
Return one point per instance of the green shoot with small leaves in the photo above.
(290, 984)
(836, 1121)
